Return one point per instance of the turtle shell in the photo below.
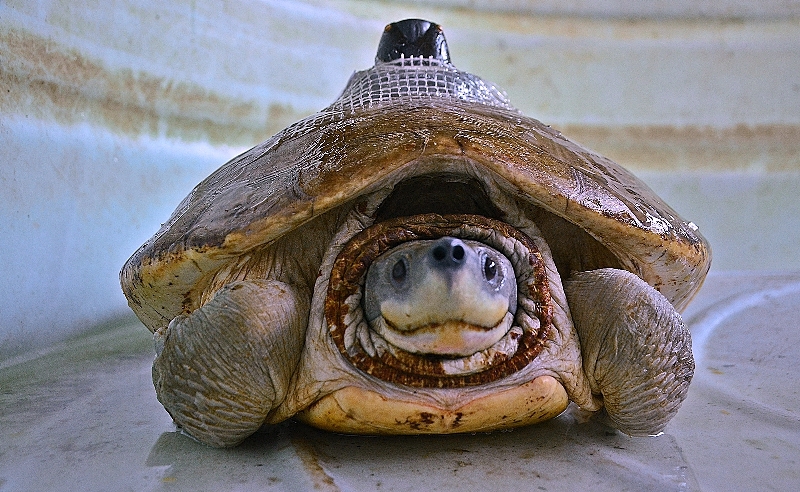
(389, 120)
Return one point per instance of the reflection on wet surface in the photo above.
(558, 452)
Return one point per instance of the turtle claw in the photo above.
(636, 350)
(221, 369)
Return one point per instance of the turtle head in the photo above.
(412, 38)
(446, 296)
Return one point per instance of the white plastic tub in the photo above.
(111, 112)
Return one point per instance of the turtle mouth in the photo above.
(442, 359)
(451, 338)
(376, 355)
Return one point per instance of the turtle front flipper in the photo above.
(221, 369)
(636, 350)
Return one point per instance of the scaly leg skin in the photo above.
(636, 351)
(221, 369)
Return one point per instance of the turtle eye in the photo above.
(489, 268)
(399, 271)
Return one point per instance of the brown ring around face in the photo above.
(534, 313)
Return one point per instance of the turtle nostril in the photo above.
(439, 253)
(448, 252)
(458, 253)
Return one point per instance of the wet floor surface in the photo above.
(83, 416)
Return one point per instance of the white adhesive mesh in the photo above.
(410, 79)
(416, 78)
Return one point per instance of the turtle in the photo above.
(418, 258)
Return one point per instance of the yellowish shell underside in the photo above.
(360, 411)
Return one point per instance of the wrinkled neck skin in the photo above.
(323, 369)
